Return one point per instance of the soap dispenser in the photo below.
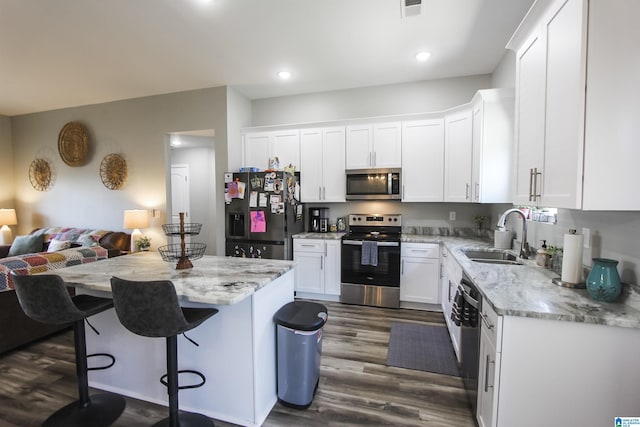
(542, 256)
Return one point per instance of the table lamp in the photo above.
(136, 219)
(7, 217)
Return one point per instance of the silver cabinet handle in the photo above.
(531, 184)
(486, 373)
(535, 194)
(321, 263)
(319, 193)
(370, 159)
(466, 192)
(375, 160)
(477, 191)
(403, 191)
(324, 193)
(486, 321)
(402, 268)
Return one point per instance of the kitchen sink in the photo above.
(493, 257)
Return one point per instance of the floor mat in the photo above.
(422, 347)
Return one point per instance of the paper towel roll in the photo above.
(572, 258)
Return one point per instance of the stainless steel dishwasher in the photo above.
(470, 339)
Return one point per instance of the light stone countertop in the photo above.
(323, 236)
(212, 280)
(526, 290)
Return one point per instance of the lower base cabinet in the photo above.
(318, 268)
(420, 273)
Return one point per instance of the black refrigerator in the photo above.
(262, 212)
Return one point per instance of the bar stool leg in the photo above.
(101, 410)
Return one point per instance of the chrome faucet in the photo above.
(524, 246)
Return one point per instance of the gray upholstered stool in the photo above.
(152, 309)
(45, 298)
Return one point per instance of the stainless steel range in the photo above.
(370, 265)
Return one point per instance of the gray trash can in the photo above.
(299, 346)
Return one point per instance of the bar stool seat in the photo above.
(152, 309)
(45, 298)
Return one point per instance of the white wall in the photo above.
(6, 164)
(415, 97)
(238, 117)
(135, 128)
(504, 76)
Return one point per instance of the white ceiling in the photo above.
(63, 53)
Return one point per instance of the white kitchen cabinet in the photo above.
(451, 276)
(420, 273)
(489, 366)
(322, 165)
(259, 147)
(317, 269)
(458, 156)
(423, 160)
(573, 114)
(492, 140)
(377, 145)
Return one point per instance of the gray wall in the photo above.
(238, 117)
(6, 164)
(416, 97)
(135, 128)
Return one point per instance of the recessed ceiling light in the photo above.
(423, 56)
(284, 75)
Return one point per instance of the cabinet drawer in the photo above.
(420, 250)
(308, 245)
(492, 325)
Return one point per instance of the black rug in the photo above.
(422, 347)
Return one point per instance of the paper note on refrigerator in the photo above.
(253, 199)
(258, 222)
(241, 187)
(263, 200)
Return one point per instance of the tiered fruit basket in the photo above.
(182, 252)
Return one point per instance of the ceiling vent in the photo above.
(410, 7)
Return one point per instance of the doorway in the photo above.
(191, 183)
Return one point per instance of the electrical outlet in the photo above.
(586, 237)
(452, 216)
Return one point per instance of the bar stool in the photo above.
(45, 298)
(152, 309)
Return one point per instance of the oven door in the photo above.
(386, 273)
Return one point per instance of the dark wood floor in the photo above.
(356, 387)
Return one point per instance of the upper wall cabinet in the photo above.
(377, 145)
(259, 147)
(423, 160)
(578, 148)
(492, 140)
(458, 156)
(322, 165)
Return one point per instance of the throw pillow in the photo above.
(58, 245)
(86, 241)
(26, 245)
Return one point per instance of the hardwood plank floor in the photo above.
(356, 387)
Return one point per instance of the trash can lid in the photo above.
(302, 316)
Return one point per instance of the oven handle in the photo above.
(464, 285)
(359, 243)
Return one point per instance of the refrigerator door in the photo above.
(237, 221)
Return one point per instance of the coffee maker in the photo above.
(318, 220)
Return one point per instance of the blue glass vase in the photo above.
(603, 282)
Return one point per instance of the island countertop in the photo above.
(212, 280)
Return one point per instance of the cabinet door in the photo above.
(256, 150)
(309, 271)
(423, 161)
(565, 97)
(311, 153)
(419, 280)
(332, 267)
(334, 181)
(359, 142)
(286, 146)
(387, 145)
(458, 154)
(530, 99)
(488, 382)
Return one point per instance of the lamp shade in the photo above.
(136, 218)
(8, 217)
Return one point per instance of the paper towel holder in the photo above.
(558, 280)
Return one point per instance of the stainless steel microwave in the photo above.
(373, 184)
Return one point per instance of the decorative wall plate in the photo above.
(113, 171)
(40, 174)
(73, 144)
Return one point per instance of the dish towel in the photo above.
(462, 313)
(369, 253)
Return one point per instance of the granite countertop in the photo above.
(324, 236)
(212, 280)
(526, 290)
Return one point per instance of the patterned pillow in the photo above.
(56, 245)
(86, 240)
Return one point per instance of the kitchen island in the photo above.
(237, 349)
